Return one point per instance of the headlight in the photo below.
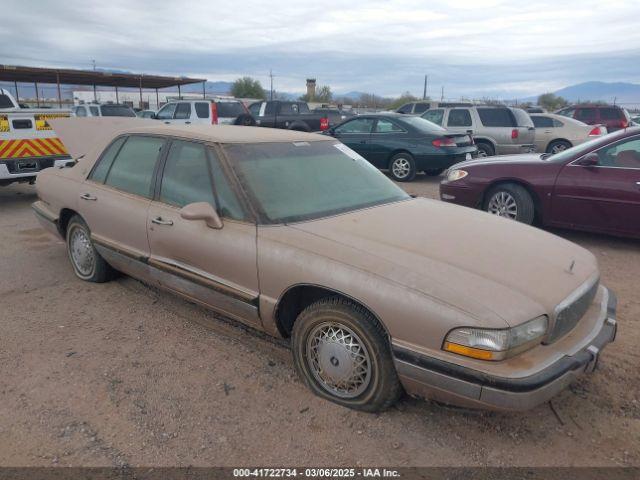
(495, 344)
(454, 175)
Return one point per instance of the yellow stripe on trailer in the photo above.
(37, 147)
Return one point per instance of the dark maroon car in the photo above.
(594, 186)
(611, 116)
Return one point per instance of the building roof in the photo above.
(15, 73)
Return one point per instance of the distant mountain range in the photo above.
(618, 92)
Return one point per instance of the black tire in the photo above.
(433, 172)
(405, 167)
(245, 120)
(99, 271)
(509, 193)
(558, 146)
(485, 149)
(382, 388)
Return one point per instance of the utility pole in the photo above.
(424, 92)
(93, 62)
(271, 85)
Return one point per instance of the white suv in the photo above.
(211, 112)
(103, 110)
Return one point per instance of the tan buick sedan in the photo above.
(297, 235)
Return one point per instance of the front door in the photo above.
(216, 267)
(356, 134)
(604, 197)
(115, 198)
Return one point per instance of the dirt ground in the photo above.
(121, 374)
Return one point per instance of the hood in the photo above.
(480, 263)
(527, 158)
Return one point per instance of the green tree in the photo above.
(247, 87)
(552, 102)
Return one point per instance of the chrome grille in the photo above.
(569, 315)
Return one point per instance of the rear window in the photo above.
(5, 101)
(459, 118)
(406, 108)
(610, 114)
(496, 117)
(522, 118)
(117, 111)
(229, 109)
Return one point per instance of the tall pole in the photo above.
(95, 95)
(157, 100)
(117, 99)
(424, 92)
(179, 93)
(271, 85)
(140, 105)
(59, 94)
(37, 98)
(204, 93)
(15, 84)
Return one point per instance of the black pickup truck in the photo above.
(289, 115)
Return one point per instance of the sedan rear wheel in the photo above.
(342, 354)
(85, 259)
(511, 201)
(558, 146)
(402, 167)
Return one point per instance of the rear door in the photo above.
(182, 113)
(213, 266)
(605, 197)
(115, 198)
(459, 121)
(544, 132)
(356, 134)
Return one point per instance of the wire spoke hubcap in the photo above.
(82, 252)
(338, 360)
(558, 148)
(401, 167)
(504, 205)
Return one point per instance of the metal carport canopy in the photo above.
(14, 73)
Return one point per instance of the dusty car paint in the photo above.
(457, 268)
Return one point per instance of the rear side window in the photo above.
(202, 109)
(459, 117)
(132, 169)
(94, 111)
(385, 126)
(496, 117)
(270, 108)
(610, 114)
(166, 112)
(587, 114)
(288, 109)
(421, 108)
(406, 108)
(5, 101)
(186, 178)
(542, 122)
(359, 125)
(99, 173)
(303, 108)
(183, 111)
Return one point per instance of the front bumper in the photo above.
(434, 378)
(460, 193)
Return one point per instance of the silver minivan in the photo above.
(497, 130)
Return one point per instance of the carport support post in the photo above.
(140, 105)
(204, 93)
(59, 94)
(95, 95)
(15, 84)
(179, 94)
(37, 97)
(157, 100)
(117, 101)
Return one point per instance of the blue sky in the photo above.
(492, 48)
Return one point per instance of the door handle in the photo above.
(160, 221)
(88, 196)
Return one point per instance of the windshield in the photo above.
(423, 125)
(583, 148)
(117, 111)
(298, 181)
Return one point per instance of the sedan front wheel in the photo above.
(511, 201)
(342, 354)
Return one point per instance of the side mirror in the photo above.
(589, 160)
(202, 211)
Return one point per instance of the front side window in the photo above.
(117, 111)
(542, 122)
(297, 181)
(434, 116)
(459, 117)
(94, 111)
(624, 154)
(230, 109)
(132, 170)
(254, 108)
(567, 112)
(186, 178)
(358, 125)
(81, 112)
(385, 126)
(166, 112)
(183, 111)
